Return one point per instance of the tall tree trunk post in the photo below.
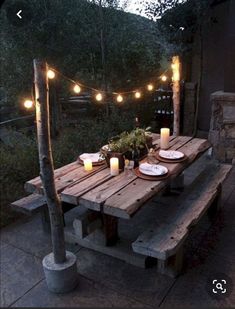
(176, 68)
(59, 266)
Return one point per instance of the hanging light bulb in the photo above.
(99, 97)
(28, 104)
(50, 74)
(137, 95)
(150, 87)
(77, 89)
(164, 78)
(119, 98)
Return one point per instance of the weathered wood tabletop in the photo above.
(119, 196)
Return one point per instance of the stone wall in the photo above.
(222, 126)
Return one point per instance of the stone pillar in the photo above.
(189, 108)
(222, 126)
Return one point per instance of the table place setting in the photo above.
(91, 159)
(150, 171)
(170, 156)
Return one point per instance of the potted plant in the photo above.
(121, 146)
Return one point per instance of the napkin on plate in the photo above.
(155, 169)
(171, 154)
(94, 157)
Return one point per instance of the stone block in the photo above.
(230, 131)
(222, 126)
(230, 154)
(229, 113)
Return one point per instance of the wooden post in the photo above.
(176, 68)
(46, 161)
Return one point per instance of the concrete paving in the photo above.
(108, 282)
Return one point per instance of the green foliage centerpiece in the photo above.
(121, 146)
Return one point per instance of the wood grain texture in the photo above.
(71, 194)
(95, 198)
(32, 185)
(30, 204)
(71, 175)
(163, 241)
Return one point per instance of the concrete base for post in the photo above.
(60, 278)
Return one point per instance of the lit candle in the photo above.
(164, 141)
(87, 165)
(114, 166)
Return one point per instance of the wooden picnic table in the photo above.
(118, 196)
(121, 196)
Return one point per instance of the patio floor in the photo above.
(108, 282)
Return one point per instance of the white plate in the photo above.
(171, 154)
(153, 169)
(94, 157)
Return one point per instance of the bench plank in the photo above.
(164, 240)
(30, 204)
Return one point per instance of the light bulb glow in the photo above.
(119, 98)
(137, 95)
(50, 74)
(28, 104)
(99, 97)
(150, 87)
(77, 89)
(164, 78)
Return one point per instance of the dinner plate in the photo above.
(152, 169)
(94, 157)
(171, 154)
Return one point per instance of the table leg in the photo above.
(110, 229)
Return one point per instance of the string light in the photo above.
(77, 89)
(137, 95)
(119, 98)
(28, 104)
(150, 87)
(50, 74)
(99, 97)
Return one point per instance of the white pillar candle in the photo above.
(114, 166)
(87, 165)
(164, 141)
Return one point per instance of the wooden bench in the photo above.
(165, 241)
(35, 203)
(32, 204)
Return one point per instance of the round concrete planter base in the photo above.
(60, 278)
